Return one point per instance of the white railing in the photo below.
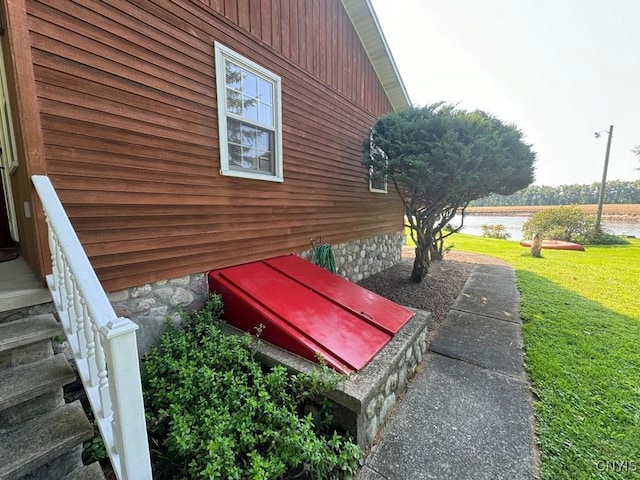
(104, 346)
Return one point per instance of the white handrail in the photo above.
(104, 346)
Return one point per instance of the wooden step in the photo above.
(31, 445)
(19, 384)
(28, 330)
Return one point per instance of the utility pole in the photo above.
(604, 179)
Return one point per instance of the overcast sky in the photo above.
(559, 69)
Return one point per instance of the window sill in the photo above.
(251, 176)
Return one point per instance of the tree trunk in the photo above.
(420, 265)
(438, 247)
(536, 245)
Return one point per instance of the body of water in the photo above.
(513, 224)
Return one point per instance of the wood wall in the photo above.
(127, 98)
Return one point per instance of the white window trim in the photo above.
(222, 53)
(371, 188)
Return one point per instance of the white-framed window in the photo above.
(249, 117)
(377, 179)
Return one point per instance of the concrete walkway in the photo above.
(468, 413)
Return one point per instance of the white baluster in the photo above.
(53, 247)
(62, 287)
(80, 315)
(90, 345)
(75, 317)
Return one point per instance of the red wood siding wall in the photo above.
(129, 115)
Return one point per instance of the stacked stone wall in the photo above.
(362, 258)
(382, 398)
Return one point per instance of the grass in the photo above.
(582, 351)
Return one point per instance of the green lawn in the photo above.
(582, 351)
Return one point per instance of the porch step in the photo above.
(30, 330)
(88, 472)
(33, 381)
(32, 445)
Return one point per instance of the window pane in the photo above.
(250, 111)
(265, 164)
(249, 158)
(234, 102)
(233, 76)
(263, 140)
(265, 147)
(265, 91)
(249, 84)
(265, 114)
(235, 155)
(249, 135)
(234, 131)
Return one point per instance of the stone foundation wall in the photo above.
(362, 258)
(151, 304)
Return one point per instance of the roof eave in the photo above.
(368, 28)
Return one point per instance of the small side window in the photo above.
(377, 179)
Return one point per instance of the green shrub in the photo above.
(602, 237)
(570, 224)
(558, 223)
(495, 231)
(214, 412)
(94, 450)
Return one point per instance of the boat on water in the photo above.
(556, 245)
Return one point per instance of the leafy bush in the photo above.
(593, 237)
(94, 450)
(495, 231)
(570, 224)
(558, 223)
(214, 412)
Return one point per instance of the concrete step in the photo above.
(33, 389)
(27, 331)
(87, 472)
(32, 445)
(26, 382)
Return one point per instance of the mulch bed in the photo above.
(435, 294)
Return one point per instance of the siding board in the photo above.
(294, 27)
(129, 118)
(283, 27)
(263, 16)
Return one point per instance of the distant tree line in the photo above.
(616, 192)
